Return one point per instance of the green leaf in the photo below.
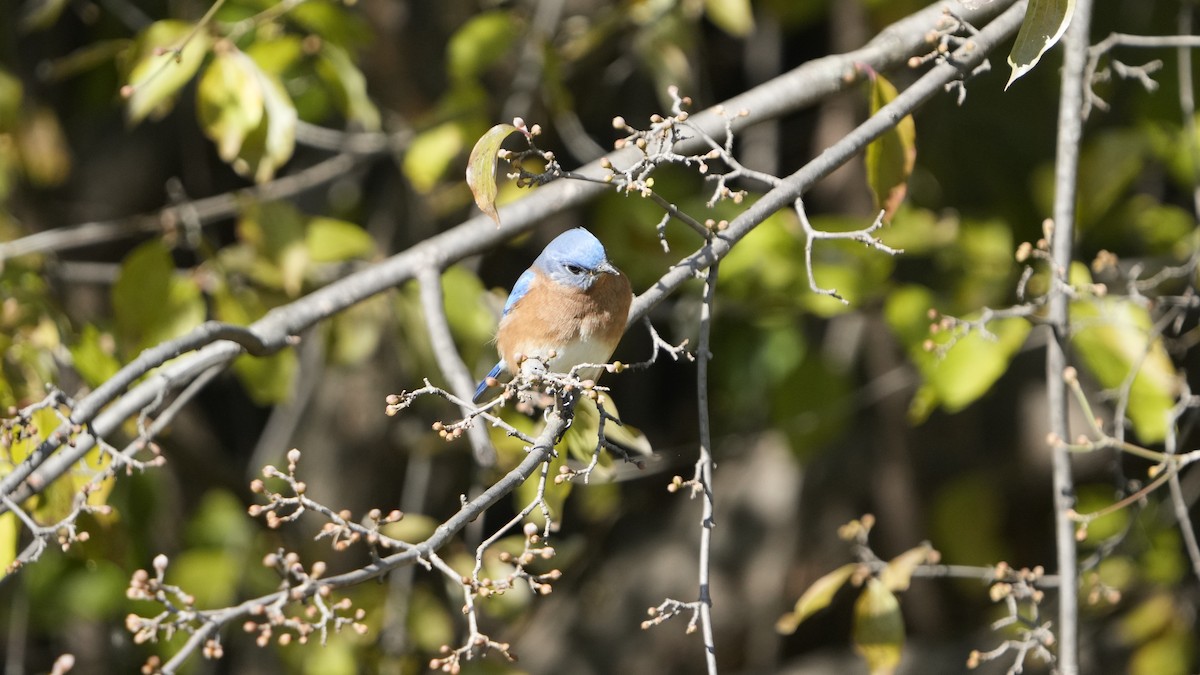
(817, 597)
(279, 137)
(151, 303)
(267, 379)
(898, 573)
(1115, 336)
(967, 370)
(336, 68)
(211, 575)
(479, 43)
(891, 157)
(878, 628)
(332, 240)
(354, 334)
(430, 154)
(93, 356)
(975, 362)
(40, 14)
(246, 111)
(276, 231)
(1108, 166)
(229, 102)
(1045, 22)
(732, 16)
(481, 168)
(159, 72)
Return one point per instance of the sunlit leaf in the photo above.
(891, 157)
(93, 355)
(898, 573)
(817, 597)
(481, 168)
(229, 101)
(159, 71)
(1045, 22)
(735, 17)
(280, 136)
(1115, 339)
(967, 370)
(430, 154)
(332, 240)
(10, 533)
(878, 628)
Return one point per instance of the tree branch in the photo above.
(1066, 172)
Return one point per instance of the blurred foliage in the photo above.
(103, 105)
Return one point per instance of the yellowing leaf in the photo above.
(878, 628)
(481, 168)
(891, 157)
(159, 72)
(280, 138)
(247, 112)
(817, 597)
(229, 102)
(10, 532)
(732, 16)
(898, 573)
(1045, 22)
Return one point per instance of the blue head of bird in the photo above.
(575, 258)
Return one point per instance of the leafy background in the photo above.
(823, 412)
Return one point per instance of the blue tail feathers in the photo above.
(483, 386)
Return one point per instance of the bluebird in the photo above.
(567, 309)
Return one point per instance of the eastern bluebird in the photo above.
(569, 308)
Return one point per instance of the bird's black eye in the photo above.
(575, 269)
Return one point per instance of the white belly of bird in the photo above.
(584, 351)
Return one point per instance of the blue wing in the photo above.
(519, 289)
(483, 385)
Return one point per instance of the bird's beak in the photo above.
(608, 267)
